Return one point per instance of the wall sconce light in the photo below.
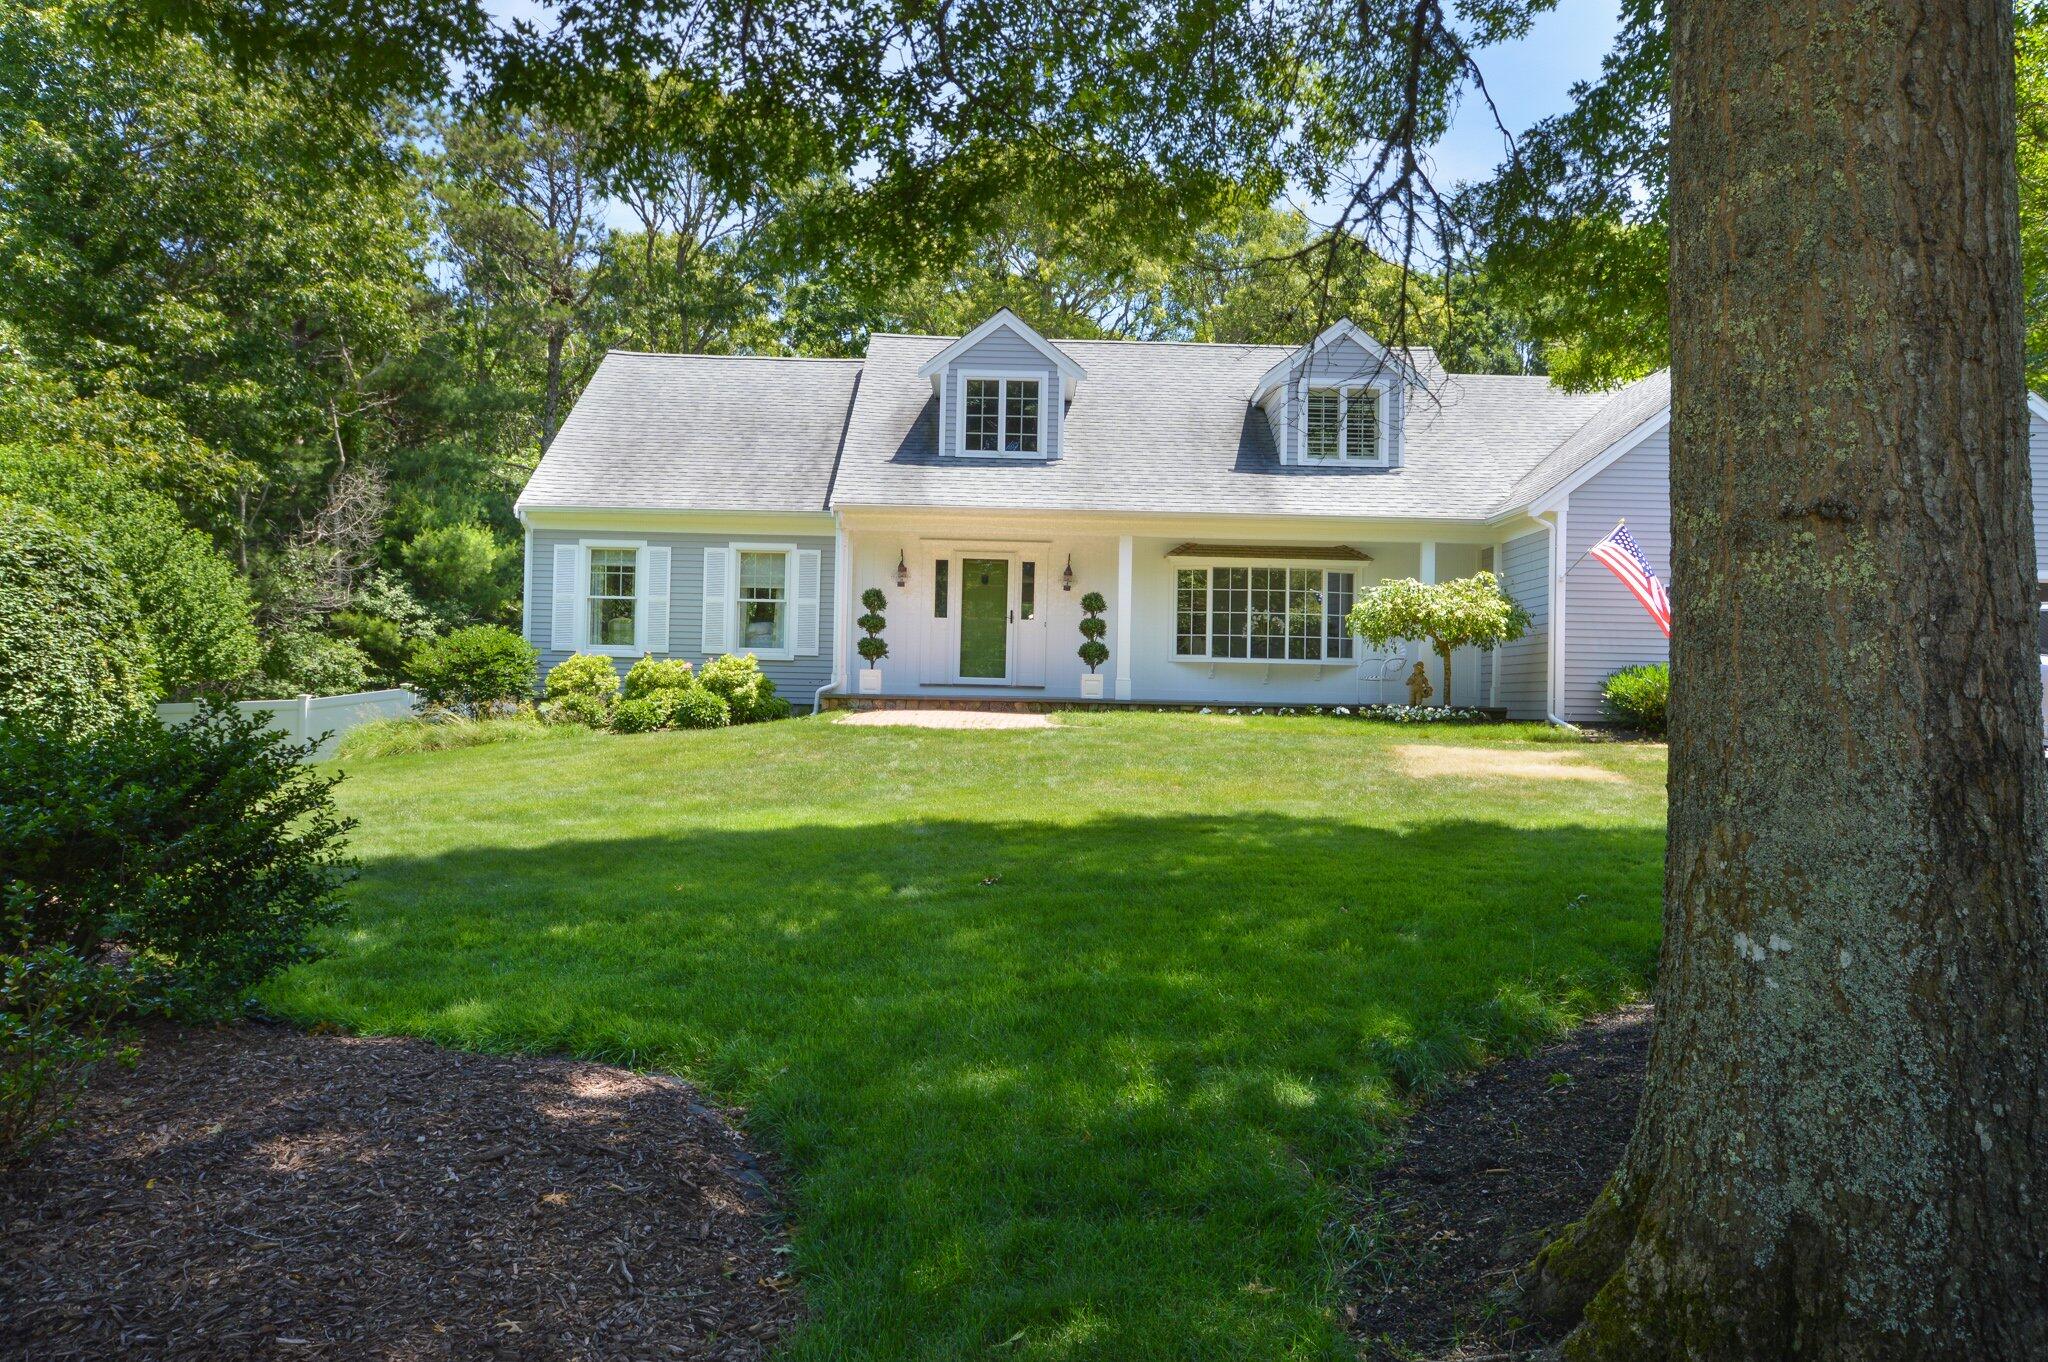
(1067, 576)
(902, 570)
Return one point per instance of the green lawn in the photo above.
(1076, 1042)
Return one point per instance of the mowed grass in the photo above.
(1076, 1043)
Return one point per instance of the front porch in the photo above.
(987, 611)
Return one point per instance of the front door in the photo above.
(984, 619)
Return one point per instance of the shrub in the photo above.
(1467, 612)
(697, 708)
(72, 655)
(305, 663)
(381, 641)
(58, 1018)
(648, 676)
(396, 737)
(1093, 650)
(748, 694)
(583, 674)
(208, 852)
(461, 567)
(1638, 696)
(190, 603)
(873, 648)
(578, 708)
(638, 716)
(479, 668)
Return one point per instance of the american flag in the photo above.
(1626, 561)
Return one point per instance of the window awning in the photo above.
(1307, 553)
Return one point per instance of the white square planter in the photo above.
(870, 680)
(1091, 686)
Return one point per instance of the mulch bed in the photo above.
(1488, 1168)
(257, 1192)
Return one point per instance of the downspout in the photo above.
(840, 578)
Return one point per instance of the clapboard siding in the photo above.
(1524, 664)
(1606, 628)
(2037, 460)
(1005, 350)
(796, 680)
(1342, 361)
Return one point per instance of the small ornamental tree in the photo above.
(873, 648)
(1470, 612)
(1093, 650)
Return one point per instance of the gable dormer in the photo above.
(1338, 402)
(1003, 391)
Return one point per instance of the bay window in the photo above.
(1263, 614)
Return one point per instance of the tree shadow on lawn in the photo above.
(1091, 1089)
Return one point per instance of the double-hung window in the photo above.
(1263, 614)
(999, 415)
(1342, 425)
(764, 601)
(613, 598)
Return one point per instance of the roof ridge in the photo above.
(698, 354)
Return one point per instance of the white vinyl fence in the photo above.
(311, 715)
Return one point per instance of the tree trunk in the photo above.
(1445, 654)
(1841, 1147)
(551, 397)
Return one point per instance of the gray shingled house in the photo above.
(1228, 501)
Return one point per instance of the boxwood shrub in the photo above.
(479, 669)
(1638, 696)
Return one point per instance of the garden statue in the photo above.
(1419, 689)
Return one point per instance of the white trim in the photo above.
(583, 643)
(1592, 468)
(842, 610)
(644, 520)
(735, 644)
(526, 589)
(1121, 624)
(1343, 329)
(1554, 664)
(938, 363)
(1002, 378)
(1209, 567)
(2037, 405)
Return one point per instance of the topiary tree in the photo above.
(478, 668)
(73, 658)
(1469, 612)
(1093, 650)
(873, 648)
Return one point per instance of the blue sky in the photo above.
(1530, 79)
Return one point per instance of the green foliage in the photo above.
(443, 732)
(1093, 650)
(1467, 612)
(302, 662)
(2030, 53)
(583, 674)
(458, 567)
(649, 675)
(746, 690)
(1638, 696)
(874, 647)
(58, 1022)
(638, 716)
(580, 708)
(73, 659)
(191, 604)
(697, 708)
(382, 642)
(209, 852)
(480, 668)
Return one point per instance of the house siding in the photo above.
(796, 680)
(1523, 665)
(1341, 361)
(1001, 349)
(1606, 628)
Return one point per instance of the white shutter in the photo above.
(805, 626)
(654, 602)
(568, 595)
(717, 599)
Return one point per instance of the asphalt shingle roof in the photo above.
(699, 433)
(1155, 427)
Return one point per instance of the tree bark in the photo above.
(1841, 1147)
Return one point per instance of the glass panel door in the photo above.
(985, 619)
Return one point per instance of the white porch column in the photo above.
(1121, 626)
(1428, 654)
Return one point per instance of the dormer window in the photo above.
(1342, 425)
(1000, 414)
